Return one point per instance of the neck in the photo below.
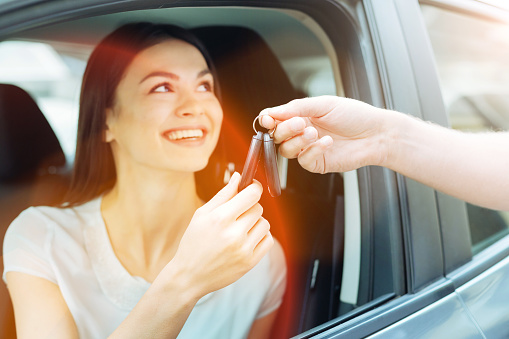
(147, 214)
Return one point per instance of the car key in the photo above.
(270, 163)
(253, 157)
(258, 141)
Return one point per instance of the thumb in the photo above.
(225, 194)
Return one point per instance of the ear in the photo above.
(108, 135)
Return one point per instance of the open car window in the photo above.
(341, 233)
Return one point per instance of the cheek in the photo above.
(134, 126)
(217, 115)
(218, 121)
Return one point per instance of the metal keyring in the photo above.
(254, 124)
(271, 132)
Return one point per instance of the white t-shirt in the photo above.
(70, 247)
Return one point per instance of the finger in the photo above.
(311, 158)
(292, 147)
(243, 201)
(258, 232)
(225, 194)
(289, 128)
(267, 121)
(263, 247)
(249, 218)
(307, 107)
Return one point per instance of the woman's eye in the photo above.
(205, 87)
(161, 88)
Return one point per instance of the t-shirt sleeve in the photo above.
(275, 294)
(26, 243)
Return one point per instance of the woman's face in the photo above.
(165, 115)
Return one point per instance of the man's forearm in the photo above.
(470, 166)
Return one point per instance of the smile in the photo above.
(185, 134)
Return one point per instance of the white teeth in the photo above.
(185, 134)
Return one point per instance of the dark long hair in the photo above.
(94, 169)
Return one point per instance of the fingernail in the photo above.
(261, 119)
(234, 178)
(326, 141)
(309, 133)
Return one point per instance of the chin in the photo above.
(194, 166)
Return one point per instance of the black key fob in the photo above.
(253, 157)
(270, 163)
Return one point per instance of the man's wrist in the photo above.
(394, 127)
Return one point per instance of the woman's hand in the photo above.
(225, 239)
(328, 134)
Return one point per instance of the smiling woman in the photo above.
(134, 251)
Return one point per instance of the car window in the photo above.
(471, 56)
(51, 74)
(341, 257)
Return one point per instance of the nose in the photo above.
(189, 106)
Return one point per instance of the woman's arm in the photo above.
(225, 239)
(41, 312)
(39, 308)
(262, 327)
(162, 311)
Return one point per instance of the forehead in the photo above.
(168, 54)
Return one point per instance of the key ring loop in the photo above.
(271, 132)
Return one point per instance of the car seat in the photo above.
(31, 165)
(250, 78)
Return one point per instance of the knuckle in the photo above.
(265, 223)
(259, 209)
(256, 191)
(232, 242)
(245, 252)
(295, 102)
(284, 151)
(218, 217)
(270, 239)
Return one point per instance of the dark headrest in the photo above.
(27, 142)
(251, 78)
(250, 75)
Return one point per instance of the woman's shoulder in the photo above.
(271, 268)
(276, 256)
(36, 220)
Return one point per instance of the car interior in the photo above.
(263, 57)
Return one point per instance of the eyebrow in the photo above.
(173, 75)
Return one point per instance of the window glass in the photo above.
(52, 76)
(471, 57)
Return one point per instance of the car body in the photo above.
(370, 252)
